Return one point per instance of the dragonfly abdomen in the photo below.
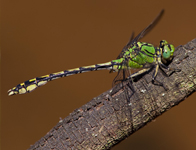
(30, 85)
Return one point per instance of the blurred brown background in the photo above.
(42, 37)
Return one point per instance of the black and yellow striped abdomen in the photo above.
(30, 85)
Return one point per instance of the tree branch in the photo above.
(109, 118)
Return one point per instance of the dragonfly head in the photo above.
(167, 51)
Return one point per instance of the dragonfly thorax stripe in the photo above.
(148, 52)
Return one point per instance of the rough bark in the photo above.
(109, 118)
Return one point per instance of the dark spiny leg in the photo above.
(154, 78)
(155, 75)
(170, 69)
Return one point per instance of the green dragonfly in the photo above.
(135, 55)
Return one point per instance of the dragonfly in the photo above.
(135, 55)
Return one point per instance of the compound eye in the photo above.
(163, 43)
(166, 52)
(172, 49)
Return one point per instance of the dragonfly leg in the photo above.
(154, 77)
(156, 82)
(155, 72)
(139, 73)
(169, 69)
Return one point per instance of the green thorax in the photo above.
(139, 54)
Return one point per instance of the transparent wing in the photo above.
(123, 74)
(125, 48)
(147, 29)
(133, 40)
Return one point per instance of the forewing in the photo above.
(125, 48)
(124, 73)
(148, 28)
(141, 34)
